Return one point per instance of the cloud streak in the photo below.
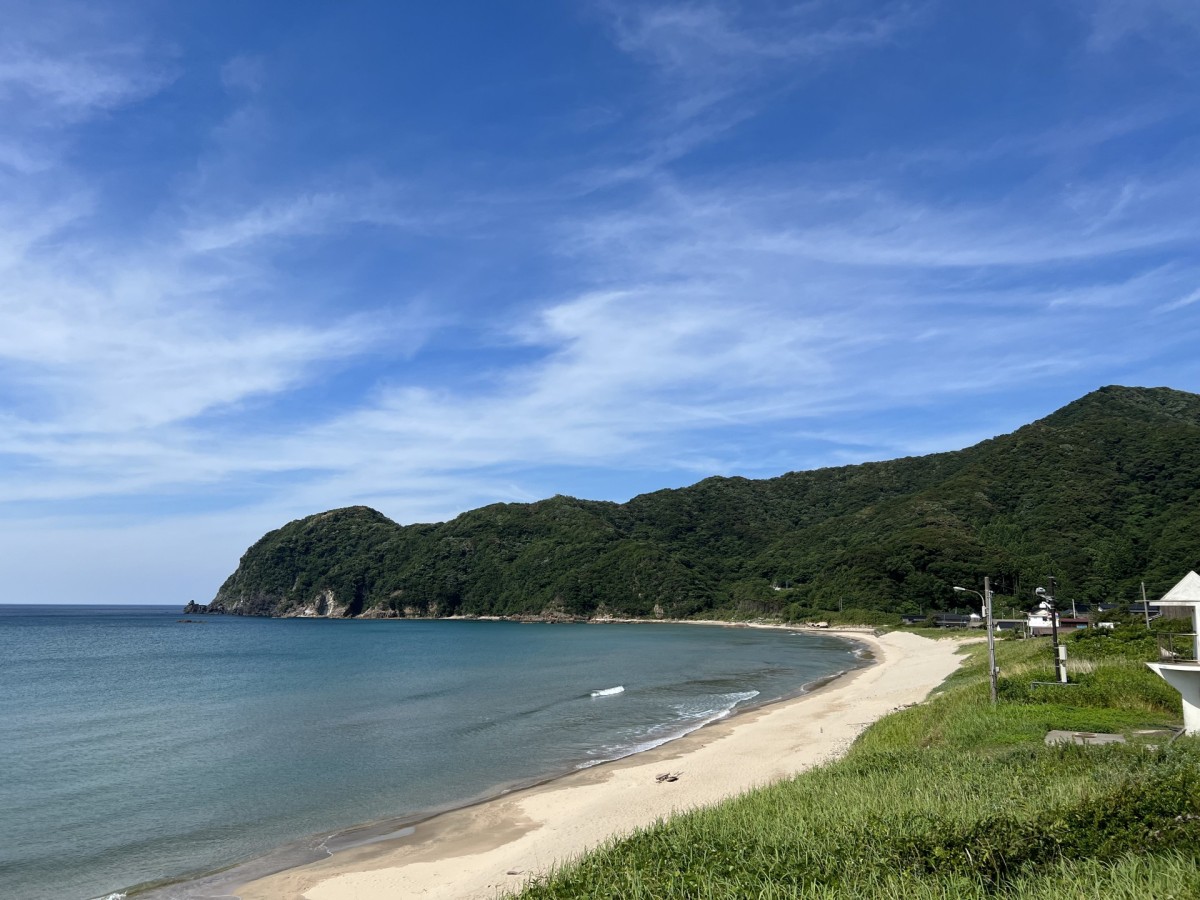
(265, 334)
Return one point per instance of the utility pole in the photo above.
(1145, 608)
(1060, 650)
(986, 597)
(993, 670)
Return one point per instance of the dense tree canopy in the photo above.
(1102, 494)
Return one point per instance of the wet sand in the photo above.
(483, 850)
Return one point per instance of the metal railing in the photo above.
(1176, 646)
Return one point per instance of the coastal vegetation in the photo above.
(1103, 494)
(952, 798)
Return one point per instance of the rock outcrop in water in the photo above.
(1101, 494)
(201, 609)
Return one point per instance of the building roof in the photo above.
(1186, 593)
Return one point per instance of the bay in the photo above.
(139, 746)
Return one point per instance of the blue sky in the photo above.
(260, 260)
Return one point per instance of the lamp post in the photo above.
(1060, 650)
(986, 597)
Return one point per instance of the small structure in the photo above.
(1083, 738)
(1039, 624)
(957, 620)
(1040, 621)
(1010, 624)
(1149, 610)
(1181, 674)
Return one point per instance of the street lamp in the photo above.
(1060, 650)
(986, 597)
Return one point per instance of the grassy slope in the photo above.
(951, 798)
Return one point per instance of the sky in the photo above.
(259, 260)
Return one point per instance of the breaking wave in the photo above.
(689, 718)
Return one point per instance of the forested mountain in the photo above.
(1101, 494)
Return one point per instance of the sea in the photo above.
(145, 752)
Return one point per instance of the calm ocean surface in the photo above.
(138, 748)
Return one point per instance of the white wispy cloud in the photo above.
(722, 306)
(139, 341)
(303, 215)
(1070, 142)
(712, 322)
(679, 316)
(62, 64)
(1160, 22)
(742, 302)
(72, 88)
(709, 61)
(306, 215)
(710, 40)
(1186, 300)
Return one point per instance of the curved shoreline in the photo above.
(496, 844)
(223, 883)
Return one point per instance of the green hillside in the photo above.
(1101, 494)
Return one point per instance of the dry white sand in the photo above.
(481, 851)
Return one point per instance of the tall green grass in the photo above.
(951, 798)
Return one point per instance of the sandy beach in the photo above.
(483, 850)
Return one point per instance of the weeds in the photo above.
(952, 798)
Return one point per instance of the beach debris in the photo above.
(514, 871)
(667, 776)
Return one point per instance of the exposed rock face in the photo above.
(323, 606)
(430, 610)
(556, 613)
(603, 614)
(379, 612)
(258, 604)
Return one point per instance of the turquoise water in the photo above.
(138, 747)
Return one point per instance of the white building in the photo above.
(1184, 674)
(1042, 620)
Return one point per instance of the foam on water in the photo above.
(608, 692)
(691, 717)
(712, 708)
